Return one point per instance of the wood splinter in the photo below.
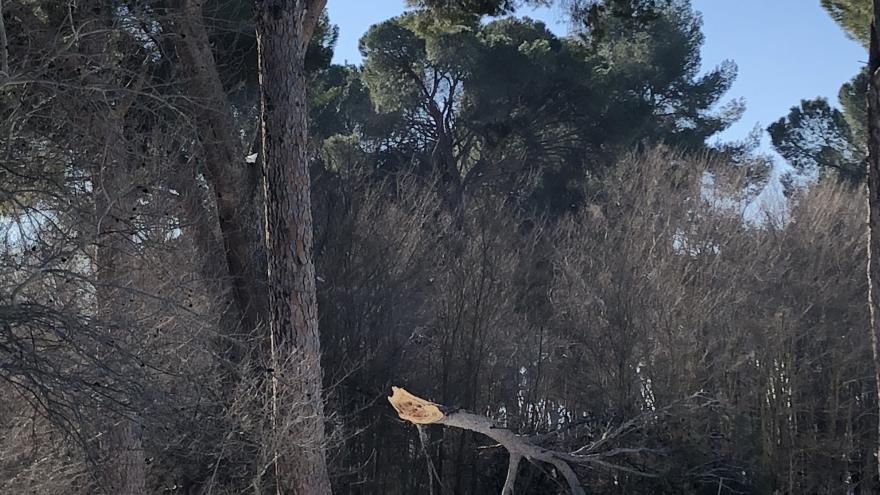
(414, 409)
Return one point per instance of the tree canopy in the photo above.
(507, 105)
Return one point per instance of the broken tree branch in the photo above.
(420, 411)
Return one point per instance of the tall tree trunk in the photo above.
(234, 183)
(283, 31)
(444, 163)
(123, 467)
(874, 192)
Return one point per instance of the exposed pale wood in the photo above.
(414, 409)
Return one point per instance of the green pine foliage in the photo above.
(817, 139)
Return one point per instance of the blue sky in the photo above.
(786, 50)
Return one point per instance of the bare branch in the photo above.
(512, 469)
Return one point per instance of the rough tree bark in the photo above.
(284, 28)
(874, 192)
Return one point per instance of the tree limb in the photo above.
(420, 411)
(311, 13)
